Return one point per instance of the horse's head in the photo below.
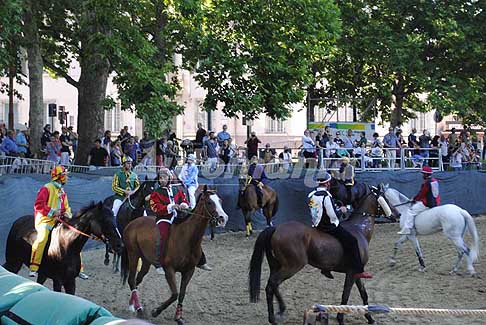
(212, 207)
(98, 221)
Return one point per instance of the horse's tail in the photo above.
(262, 244)
(124, 265)
(471, 226)
(275, 206)
(10, 251)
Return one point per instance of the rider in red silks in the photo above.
(427, 197)
(166, 203)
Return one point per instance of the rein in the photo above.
(211, 217)
(76, 230)
(404, 203)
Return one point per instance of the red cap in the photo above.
(427, 170)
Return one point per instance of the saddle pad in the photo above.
(53, 308)
(14, 288)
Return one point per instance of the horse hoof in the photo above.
(106, 262)
(280, 317)
(421, 269)
(392, 262)
(180, 322)
(474, 275)
(155, 312)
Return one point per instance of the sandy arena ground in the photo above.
(221, 296)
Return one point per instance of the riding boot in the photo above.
(164, 232)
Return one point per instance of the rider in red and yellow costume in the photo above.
(51, 202)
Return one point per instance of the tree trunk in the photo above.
(92, 83)
(35, 63)
(11, 76)
(398, 94)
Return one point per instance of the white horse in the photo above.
(451, 219)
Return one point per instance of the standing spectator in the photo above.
(53, 148)
(362, 140)
(65, 143)
(285, 158)
(401, 143)
(198, 143)
(309, 147)
(331, 150)
(46, 135)
(225, 153)
(223, 135)
(98, 156)
(444, 149)
(348, 142)
(170, 155)
(252, 145)
(376, 151)
(126, 134)
(484, 144)
(434, 154)
(130, 150)
(456, 159)
(268, 154)
(413, 143)
(424, 143)
(147, 148)
(3, 131)
(189, 177)
(73, 137)
(390, 143)
(464, 133)
(106, 142)
(160, 148)
(116, 153)
(22, 141)
(452, 139)
(211, 151)
(9, 146)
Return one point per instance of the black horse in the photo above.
(61, 261)
(347, 196)
(132, 208)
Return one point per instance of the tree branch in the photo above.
(61, 73)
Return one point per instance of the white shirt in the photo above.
(308, 144)
(319, 202)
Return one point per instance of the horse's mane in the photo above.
(85, 209)
(402, 197)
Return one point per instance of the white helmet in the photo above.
(191, 157)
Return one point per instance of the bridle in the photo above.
(76, 230)
(212, 218)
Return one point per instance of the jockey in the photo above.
(125, 183)
(427, 197)
(166, 205)
(188, 176)
(325, 218)
(257, 177)
(51, 203)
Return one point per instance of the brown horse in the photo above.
(182, 253)
(248, 202)
(290, 246)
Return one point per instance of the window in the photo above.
(275, 126)
(319, 114)
(71, 120)
(201, 115)
(4, 113)
(113, 118)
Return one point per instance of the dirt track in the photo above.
(221, 296)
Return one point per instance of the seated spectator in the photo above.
(9, 146)
(53, 148)
(362, 140)
(338, 139)
(98, 156)
(361, 155)
(22, 141)
(342, 152)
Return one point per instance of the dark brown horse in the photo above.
(291, 246)
(61, 261)
(182, 253)
(248, 202)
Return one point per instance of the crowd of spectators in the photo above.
(456, 150)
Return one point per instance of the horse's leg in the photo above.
(267, 212)
(247, 214)
(70, 286)
(348, 285)
(171, 280)
(212, 232)
(56, 285)
(273, 284)
(462, 250)
(418, 251)
(364, 297)
(116, 263)
(185, 278)
(107, 255)
(143, 271)
(398, 244)
(269, 290)
(134, 302)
